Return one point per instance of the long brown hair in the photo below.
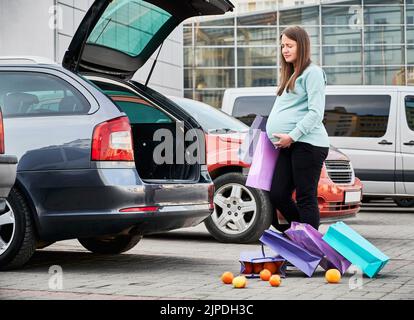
(288, 74)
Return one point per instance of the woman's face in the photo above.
(289, 49)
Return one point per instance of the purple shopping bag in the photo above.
(247, 148)
(309, 238)
(253, 257)
(296, 255)
(263, 164)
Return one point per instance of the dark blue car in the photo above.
(86, 167)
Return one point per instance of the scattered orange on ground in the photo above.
(239, 282)
(257, 267)
(333, 276)
(227, 277)
(271, 266)
(275, 280)
(248, 268)
(265, 275)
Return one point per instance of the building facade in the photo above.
(356, 42)
(46, 27)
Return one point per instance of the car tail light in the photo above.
(139, 209)
(211, 196)
(112, 141)
(1, 133)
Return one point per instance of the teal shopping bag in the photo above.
(356, 248)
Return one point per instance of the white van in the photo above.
(373, 125)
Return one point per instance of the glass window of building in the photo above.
(356, 115)
(214, 78)
(384, 14)
(256, 36)
(214, 36)
(254, 77)
(384, 55)
(385, 75)
(214, 57)
(302, 16)
(257, 56)
(265, 19)
(343, 75)
(384, 34)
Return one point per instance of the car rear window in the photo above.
(128, 26)
(29, 94)
(247, 107)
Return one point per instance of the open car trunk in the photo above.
(145, 147)
(157, 158)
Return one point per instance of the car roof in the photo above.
(25, 60)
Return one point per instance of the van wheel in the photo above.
(404, 202)
(241, 214)
(110, 245)
(17, 233)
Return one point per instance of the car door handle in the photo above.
(384, 142)
(411, 143)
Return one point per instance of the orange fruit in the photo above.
(227, 277)
(257, 267)
(239, 282)
(333, 276)
(248, 268)
(275, 280)
(265, 275)
(271, 266)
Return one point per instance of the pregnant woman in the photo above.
(295, 126)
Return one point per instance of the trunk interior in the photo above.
(144, 147)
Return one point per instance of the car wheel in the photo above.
(110, 245)
(404, 202)
(17, 234)
(241, 214)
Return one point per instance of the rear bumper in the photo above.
(86, 203)
(84, 225)
(7, 174)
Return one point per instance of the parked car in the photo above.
(339, 191)
(372, 125)
(7, 178)
(85, 165)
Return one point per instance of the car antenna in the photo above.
(153, 65)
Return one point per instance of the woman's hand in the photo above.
(284, 140)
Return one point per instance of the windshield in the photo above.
(210, 118)
(128, 26)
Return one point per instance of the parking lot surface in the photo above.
(187, 264)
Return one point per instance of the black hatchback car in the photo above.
(86, 168)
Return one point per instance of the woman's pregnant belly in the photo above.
(282, 122)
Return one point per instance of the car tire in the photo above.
(110, 245)
(404, 202)
(19, 236)
(260, 219)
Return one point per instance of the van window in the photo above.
(29, 94)
(409, 111)
(246, 108)
(356, 115)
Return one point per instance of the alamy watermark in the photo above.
(56, 278)
(356, 281)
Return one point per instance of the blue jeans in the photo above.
(298, 167)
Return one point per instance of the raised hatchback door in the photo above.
(117, 37)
